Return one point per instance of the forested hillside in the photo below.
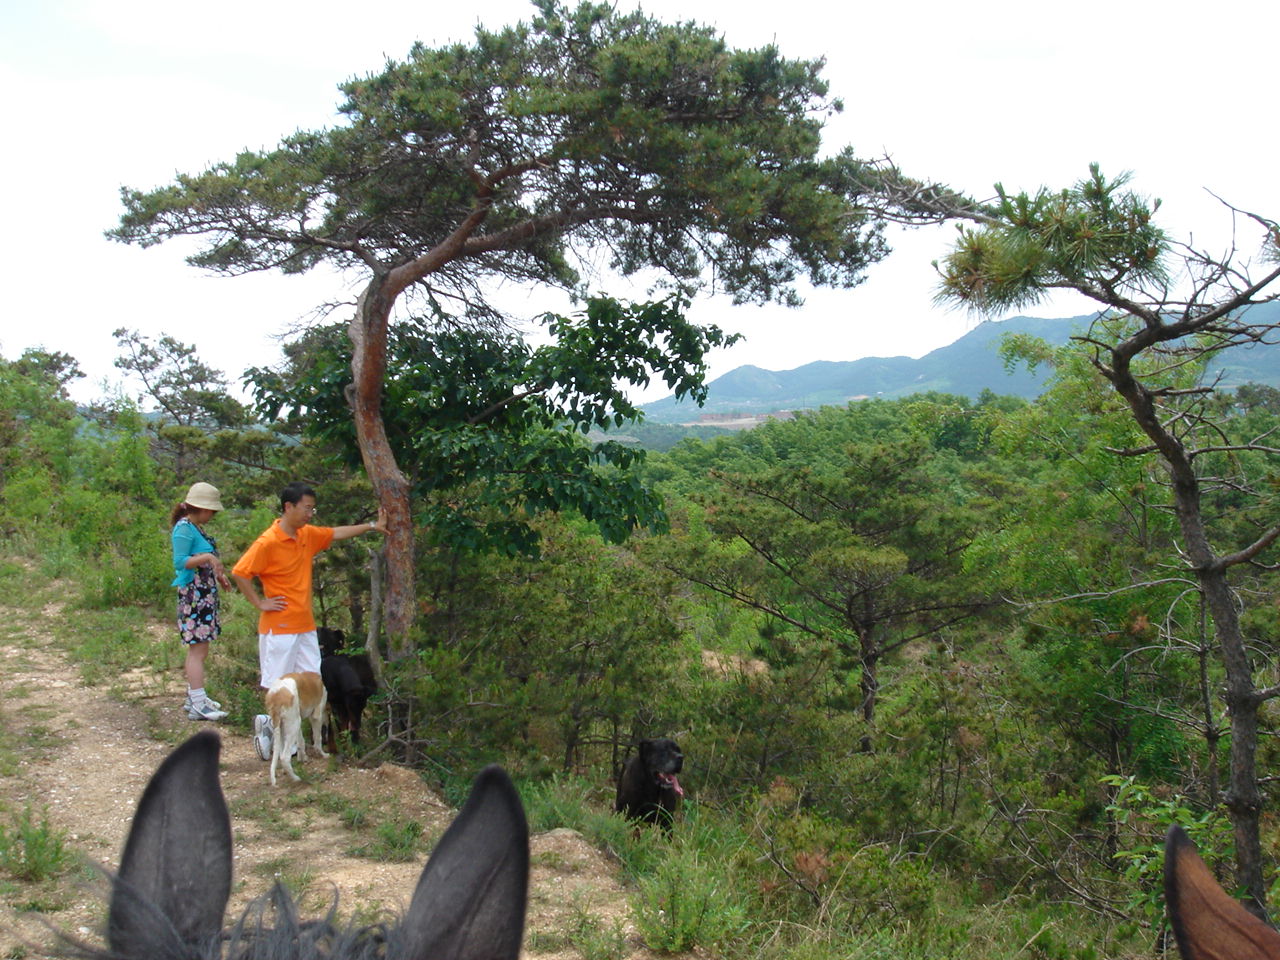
(968, 367)
(939, 685)
(945, 667)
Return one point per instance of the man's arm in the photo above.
(251, 594)
(355, 529)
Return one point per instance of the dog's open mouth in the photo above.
(669, 780)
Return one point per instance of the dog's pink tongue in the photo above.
(670, 780)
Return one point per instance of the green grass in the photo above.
(159, 723)
(689, 901)
(336, 804)
(13, 582)
(277, 818)
(547, 941)
(397, 841)
(108, 643)
(551, 859)
(32, 850)
(298, 879)
(42, 904)
(15, 632)
(595, 939)
(10, 757)
(355, 816)
(41, 742)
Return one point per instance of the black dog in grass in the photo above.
(348, 681)
(648, 789)
(167, 902)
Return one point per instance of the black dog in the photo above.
(167, 901)
(648, 789)
(348, 681)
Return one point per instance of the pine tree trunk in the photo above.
(368, 333)
(869, 687)
(1243, 799)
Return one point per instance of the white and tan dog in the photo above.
(292, 697)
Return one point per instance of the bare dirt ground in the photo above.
(81, 756)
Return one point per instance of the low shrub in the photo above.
(33, 850)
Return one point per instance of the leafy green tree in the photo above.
(38, 426)
(511, 158)
(1167, 306)
(489, 431)
(1254, 396)
(56, 367)
(194, 421)
(816, 438)
(71, 489)
(595, 642)
(863, 559)
(1101, 621)
(556, 658)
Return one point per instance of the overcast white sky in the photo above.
(104, 93)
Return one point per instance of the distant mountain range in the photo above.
(967, 367)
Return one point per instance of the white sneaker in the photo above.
(207, 711)
(186, 703)
(262, 736)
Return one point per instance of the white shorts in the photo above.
(281, 653)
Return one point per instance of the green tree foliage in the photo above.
(188, 392)
(1094, 236)
(39, 365)
(197, 429)
(860, 549)
(1019, 761)
(72, 490)
(520, 157)
(117, 514)
(489, 430)
(1167, 307)
(562, 660)
(38, 422)
(1112, 635)
(587, 127)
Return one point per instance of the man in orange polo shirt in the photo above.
(280, 560)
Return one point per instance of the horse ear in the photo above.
(470, 900)
(175, 873)
(1208, 924)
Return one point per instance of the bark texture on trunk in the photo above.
(368, 332)
(1243, 799)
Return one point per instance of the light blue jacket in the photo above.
(187, 542)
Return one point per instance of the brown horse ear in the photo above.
(1208, 924)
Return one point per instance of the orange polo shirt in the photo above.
(282, 565)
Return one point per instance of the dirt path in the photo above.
(81, 757)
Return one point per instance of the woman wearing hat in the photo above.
(199, 573)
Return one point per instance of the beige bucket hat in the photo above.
(205, 496)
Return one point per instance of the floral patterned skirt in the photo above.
(198, 608)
